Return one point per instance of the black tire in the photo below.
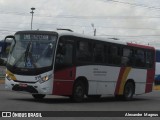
(129, 90)
(38, 96)
(78, 92)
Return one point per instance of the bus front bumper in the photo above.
(33, 88)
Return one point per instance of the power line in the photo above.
(81, 26)
(14, 13)
(129, 28)
(82, 17)
(101, 17)
(130, 35)
(133, 4)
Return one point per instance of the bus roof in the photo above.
(69, 33)
(105, 39)
(90, 37)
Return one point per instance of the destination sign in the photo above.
(22, 37)
(35, 37)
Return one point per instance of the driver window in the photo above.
(64, 54)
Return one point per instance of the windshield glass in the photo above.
(32, 51)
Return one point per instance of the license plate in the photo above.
(22, 85)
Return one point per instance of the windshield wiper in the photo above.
(27, 51)
(28, 54)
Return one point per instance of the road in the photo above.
(14, 101)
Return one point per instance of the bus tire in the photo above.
(78, 92)
(38, 96)
(129, 90)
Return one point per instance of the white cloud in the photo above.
(109, 17)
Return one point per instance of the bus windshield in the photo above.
(32, 51)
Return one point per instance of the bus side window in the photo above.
(114, 57)
(83, 52)
(125, 57)
(60, 53)
(99, 53)
(68, 54)
(149, 59)
(139, 58)
(64, 56)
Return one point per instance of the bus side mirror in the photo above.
(6, 47)
(3, 62)
(10, 38)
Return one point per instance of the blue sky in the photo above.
(128, 20)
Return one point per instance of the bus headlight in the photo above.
(8, 77)
(44, 79)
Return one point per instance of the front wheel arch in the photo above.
(129, 90)
(80, 84)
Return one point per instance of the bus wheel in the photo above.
(128, 91)
(38, 96)
(78, 92)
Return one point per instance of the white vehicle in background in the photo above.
(157, 72)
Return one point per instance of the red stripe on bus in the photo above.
(149, 80)
(122, 70)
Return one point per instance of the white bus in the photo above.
(74, 65)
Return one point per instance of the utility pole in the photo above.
(32, 16)
(95, 32)
(94, 29)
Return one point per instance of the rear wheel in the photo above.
(78, 92)
(38, 96)
(129, 90)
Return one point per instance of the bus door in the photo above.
(64, 72)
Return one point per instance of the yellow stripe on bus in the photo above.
(124, 78)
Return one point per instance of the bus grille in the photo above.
(29, 89)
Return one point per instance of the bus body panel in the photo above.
(63, 81)
(150, 80)
(102, 79)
